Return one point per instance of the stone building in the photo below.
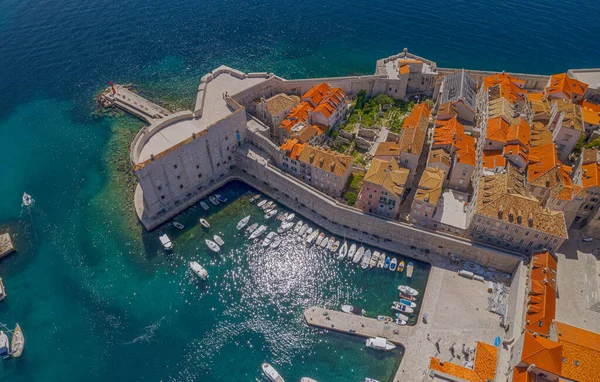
(272, 111)
(566, 124)
(414, 132)
(383, 188)
(591, 119)
(325, 170)
(587, 175)
(427, 196)
(561, 86)
(459, 89)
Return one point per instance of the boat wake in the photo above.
(148, 335)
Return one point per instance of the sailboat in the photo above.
(17, 342)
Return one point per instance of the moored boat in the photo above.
(270, 214)
(276, 242)
(343, 251)
(358, 255)
(408, 290)
(242, 223)
(366, 259)
(379, 343)
(178, 225)
(330, 243)
(212, 245)
(271, 373)
(204, 223)
(254, 198)
(307, 379)
(290, 217)
(320, 239)
(324, 242)
(351, 252)
(267, 240)
(262, 203)
(204, 206)
(381, 260)
(401, 308)
(251, 228)
(165, 241)
(269, 204)
(357, 310)
(213, 200)
(335, 246)
(17, 342)
(218, 240)
(386, 264)
(312, 236)
(401, 316)
(298, 226)
(401, 322)
(408, 303)
(199, 270)
(303, 230)
(393, 264)
(282, 216)
(409, 269)
(385, 318)
(259, 231)
(221, 198)
(370, 380)
(2, 291)
(374, 259)
(401, 266)
(408, 297)
(27, 199)
(4, 345)
(285, 227)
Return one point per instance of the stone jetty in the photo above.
(6, 245)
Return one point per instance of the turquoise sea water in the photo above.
(96, 297)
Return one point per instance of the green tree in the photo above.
(595, 144)
(360, 99)
(350, 197)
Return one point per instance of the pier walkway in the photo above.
(360, 326)
(123, 98)
(6, 245)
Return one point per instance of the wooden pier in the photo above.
(356, 325)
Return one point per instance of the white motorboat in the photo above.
(393, 264)
(27, 199)
(312, 236)
(285, 227)
(307, 379)
(381, 260)
(402, 316)
(380, 343)
(271, 373)
(358, 255)
(178, 225)
(17, 342)
(267, 240)
(259, 231)
(221, 198)
(409, 269)
(204, 223)
(262, 203)
(401, 322)
(254, 198)
(290, 217)
(165, 241)
(270, 214)
(335, 246)
(204, 206)
(251, 228)
(303, 230)
(357, 310)
(242, 223)
(212, 245)
(408, 290)
(351, 252)
(324, 243)
(298, 226)
(408, 303)
(4, 346)
(370, 380)
(374, 259)
(385, 318)
(330, 243)
(343, 251)
(366, 259)
(213, 200)
(308, 232)
(282, 216)
(218, 240)
(267, 205)
(199, 270)
(276, 242)
(401, 308)
(2, 291)
(320, 239)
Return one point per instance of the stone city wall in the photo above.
(532, 81)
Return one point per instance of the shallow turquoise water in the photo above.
(96, 297)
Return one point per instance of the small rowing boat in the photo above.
(259, 231)
(27, 199)
(409, 269)
(393, 264)
(221, 198)
(204, 206)
(213, 200)
(242, 223)
(366, 259)
(401, 266)
(212, 245)
(358, 255)
(199, 270)
(254, 198)
(385, 318)
(408, 297)
(204, 223)
(343, 251)
(218, 240)
(251, 228)
(178, 225)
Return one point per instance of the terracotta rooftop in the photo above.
(580, 353)
(307, 133)
(446, 111)
(590, 176)
(539, 105)
(590, 106)
(505, 86)
(430, 185)
(540, 134)
(519, 132)
(590, 117)
(330, 102)
(484, 368)
(504, 197)
(414, 129)
(590, 156)
(439, 156)
(387, 149)
(561, 84)
(292, 148)
(388, 174)
(518, 150)
(497, 130)
(465, 150)
(493, 159)
(326, 160)
(316, 94)
(546, 170)
(571, 114)
(542, 352)
(541, 300)
(298, 114)
(502, 108)
(281, 102)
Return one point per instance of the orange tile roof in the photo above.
(297, 114)
(388, 174)
(590, 175)
(590, 117)
(292, 148)
(493, 159)
(519, 150)
(497, 129)
(520, 374)
(484, 368)
(465, 150)
(541, 302)
(404, 69)
(288, 145)
(387, 149)
(509, 87)
(581, 346)
(316, 94)
(561, 83)
(446, 111)
(326, 160)
(542, 352)
(330, 102)
(446, 131)
(590, 106)
(414, 129)
(519, 132)
(545, 170)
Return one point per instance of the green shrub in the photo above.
(350, 197)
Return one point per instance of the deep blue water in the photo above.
(95, 296)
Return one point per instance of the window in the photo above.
(175, 166)
(199, 175)
(180, 186)
(162, 196)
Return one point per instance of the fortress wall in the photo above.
(532, 81)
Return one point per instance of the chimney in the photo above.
(530, 219)
(500, 211)
(311, 157)
(519, 217)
